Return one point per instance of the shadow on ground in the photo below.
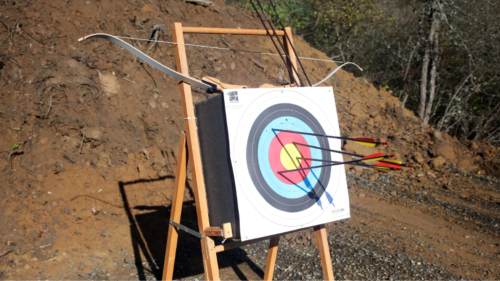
(149, 232)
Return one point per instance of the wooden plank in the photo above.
(234, 31)
(292, 60)
(227, 230)
(175, 209)
(221, 85)
(209, 260)
(272, 252)
(324, 251)
(213, 231)
(233, 245)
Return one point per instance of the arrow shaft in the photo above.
(321, 166)
(312, 134)
(358, 140)
(331, 150)
(374, 166)
(319, 160)
(347, 163)
(337, 151)
(337, 162)
(308, 168)
(372, 157)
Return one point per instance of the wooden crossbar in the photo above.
(234, 31)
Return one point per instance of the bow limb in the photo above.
(335, 70)
(210, 88)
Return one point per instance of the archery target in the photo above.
(261, 153)
(270, 152)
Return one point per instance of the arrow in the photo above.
(377, 166)
(369, 158)
(396, 162)
(372, 157)
(338, 151)
(209, 87)
(326, 149)
(363, 141)
(391, 161)
(387, 165)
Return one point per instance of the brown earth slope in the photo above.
(86, 193)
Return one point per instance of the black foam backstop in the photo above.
(217, 169)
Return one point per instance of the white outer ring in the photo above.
(243, 178)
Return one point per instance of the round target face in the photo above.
(263, 152)
(271, 152)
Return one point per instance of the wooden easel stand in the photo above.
(189, 140)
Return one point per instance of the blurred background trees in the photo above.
(440, 58)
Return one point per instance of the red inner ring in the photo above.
(277, 144)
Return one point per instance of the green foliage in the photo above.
(388, 38)
(15, 146)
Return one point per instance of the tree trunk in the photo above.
(434, 38)
(423, 85)
(425, 71)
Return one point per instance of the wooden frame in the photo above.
(190, 140)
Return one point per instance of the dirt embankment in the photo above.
(89, 138)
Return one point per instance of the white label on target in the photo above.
(284, 170)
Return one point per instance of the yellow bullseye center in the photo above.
(288, 156)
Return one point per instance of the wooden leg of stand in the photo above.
(324, 251)
(210, 258)
(175, 210)
(200, 195)
(272, 252)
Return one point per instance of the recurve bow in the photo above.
(209, 84)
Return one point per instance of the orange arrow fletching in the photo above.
(373, 157)
(388, 165)
(365, 139)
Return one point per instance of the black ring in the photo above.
(273, 198)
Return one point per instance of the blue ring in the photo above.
(256, 173)
(283, 189)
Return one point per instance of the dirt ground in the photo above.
(89, 138)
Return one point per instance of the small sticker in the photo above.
(233, 97)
